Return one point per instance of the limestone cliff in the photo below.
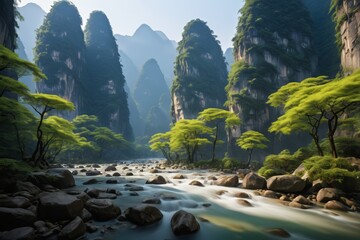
(273, 46)
(60, 53)
(7, 24)
(103, 88)
(347, 18)
(200, 72)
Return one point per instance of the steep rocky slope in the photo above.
(200, 72)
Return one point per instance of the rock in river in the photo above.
(253, 181)
(102, 209)
(286, 183)
(143, 214)
(228, 181)
(184, 223)
(156, 180)
(73, 230)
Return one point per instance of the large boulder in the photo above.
(15, 202)
(253, 181)
(102, 209)
(328, 194)
(228, 181)
(23, 233)
(184, 223)
(286, 183)
(61, 178)
(29, 187)
(57, 177)
(15, 217)
(336, 205)
(110, 168)
(93, 173)
(143, 214)
(73, 230)
(58, 206)
(156, 180)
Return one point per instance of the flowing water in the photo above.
(224, 219)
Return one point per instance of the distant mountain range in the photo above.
(146, 44)
(33, 16)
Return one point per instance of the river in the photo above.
(225, 218)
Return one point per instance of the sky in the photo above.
(168, 16)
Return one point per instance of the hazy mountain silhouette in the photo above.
(33, 16)
(229, 58)
(146, 44)
(130, 71)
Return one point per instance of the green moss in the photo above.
(284, 162)
(14, 167)
(330, 169)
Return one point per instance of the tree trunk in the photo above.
(214, 143)
(332, 125)
(317, 143)
(249, 159)
(37, 152)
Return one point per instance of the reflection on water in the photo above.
(224, 218)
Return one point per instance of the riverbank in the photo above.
(222, 212)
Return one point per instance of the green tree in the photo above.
(318, 99)
(16, 121)
(104, 94)
(187, 136)
(97, 143)
(57, 133)
(289, 97)
(216, 117)
(43, 104)
(160, 142)
(251, 140)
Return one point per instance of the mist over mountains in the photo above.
(33, 16)
(145, 44)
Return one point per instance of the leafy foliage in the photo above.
(251, 140)
(314, 100)
(200, 69)
(96, 143)
(187, 136)
(283, 163)
(104, 94)
(330, 169)
(215, 117)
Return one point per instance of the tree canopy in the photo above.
(251, 140)
(308, 103)
(216, 117)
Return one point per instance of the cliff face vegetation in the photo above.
(347, 19)
(60, 53)
(200, 72)
(273, 46)
(103, 92)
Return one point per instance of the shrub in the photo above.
(284, 162)
(330, 169)
(230, 163)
